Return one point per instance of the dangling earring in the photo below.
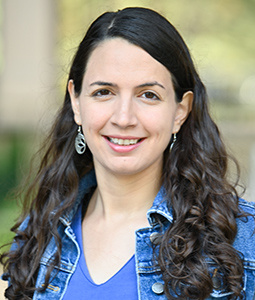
(172, 144)
(80, 143)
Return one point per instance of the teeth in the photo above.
(123, 142)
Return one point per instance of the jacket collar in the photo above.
(159, 206)
(86, 184)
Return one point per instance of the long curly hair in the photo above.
(204, 202)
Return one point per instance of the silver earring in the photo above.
(80, 143)
(172, 144)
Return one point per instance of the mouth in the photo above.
(123, 142)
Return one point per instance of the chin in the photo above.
(124, 171)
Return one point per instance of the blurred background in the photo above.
(38, 39)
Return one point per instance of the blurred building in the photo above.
(27, 77)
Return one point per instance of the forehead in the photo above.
(117, 57)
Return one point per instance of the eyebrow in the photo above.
(151, 84)
(104, 83)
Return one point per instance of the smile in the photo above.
(123, 142)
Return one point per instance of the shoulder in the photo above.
(245, 238)
(246, 224)
(247, 206)
(24, 224)
(21, 228)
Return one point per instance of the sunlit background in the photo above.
(38, 39)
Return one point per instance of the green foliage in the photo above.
(14, 157)
(13, 161)
(8, 214)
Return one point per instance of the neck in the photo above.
(125, 195)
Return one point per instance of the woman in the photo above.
(135, 204)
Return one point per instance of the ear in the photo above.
(183, 110)
(75, 102)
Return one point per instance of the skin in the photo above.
(126, 94)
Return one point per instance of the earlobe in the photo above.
(183, 110)
(74, 102)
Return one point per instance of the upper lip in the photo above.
(124, 137)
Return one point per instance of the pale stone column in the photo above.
(28, 79)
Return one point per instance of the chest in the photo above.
(106, 249)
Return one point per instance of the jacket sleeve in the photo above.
(14, 247)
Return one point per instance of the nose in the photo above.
(124, 114)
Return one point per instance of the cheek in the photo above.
(93, 117)
(161, 121)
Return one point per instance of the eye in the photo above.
(150, 96)
(102, 93)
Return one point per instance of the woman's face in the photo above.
(127, 108)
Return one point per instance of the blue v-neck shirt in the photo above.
(122, 285)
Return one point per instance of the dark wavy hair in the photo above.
(204, 202)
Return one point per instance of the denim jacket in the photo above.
(149, 278)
